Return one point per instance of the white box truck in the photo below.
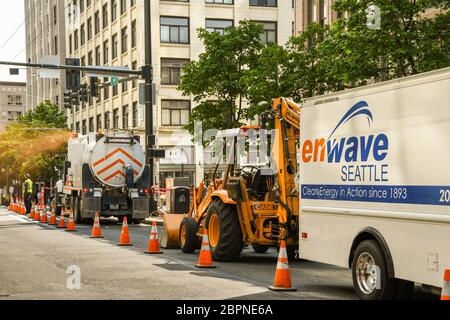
(375, 183)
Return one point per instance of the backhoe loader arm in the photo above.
(287, 125)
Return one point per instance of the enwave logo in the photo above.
(348, 149)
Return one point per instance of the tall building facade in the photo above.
(309, 11)
(45, 36)
(111, 33)
(12, 102)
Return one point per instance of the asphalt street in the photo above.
(34, 260)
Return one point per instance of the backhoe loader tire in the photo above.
(229, 245)
(189, 241)
(260, 249)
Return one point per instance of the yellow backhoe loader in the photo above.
(252, 205)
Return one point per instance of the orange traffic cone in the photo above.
(445, 295)
(71, 227)
(62, 220)
(53, 221)
(153, 244)
(37, 214)
(282, 281)
(205, 259)
(33, 209)
(125, 235)
(44, 218)
(96, 230)
(23, 210)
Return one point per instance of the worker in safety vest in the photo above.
(28, 193)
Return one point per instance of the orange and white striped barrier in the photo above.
(153, 244)
(205, 259)
(282, 281)
(96, 230)
(445, 295)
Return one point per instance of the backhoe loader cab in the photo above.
(254, 204)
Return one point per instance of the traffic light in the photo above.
(68, 99)
(75, 99)
(94, 87)
(84, 94)
(73, 77)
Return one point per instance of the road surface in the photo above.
(34, 261)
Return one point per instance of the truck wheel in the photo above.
(224, 231)
(188, 235)
(260, 249)
(369, 272)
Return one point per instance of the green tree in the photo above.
(218, 80)
(405, 43)
(45, 115)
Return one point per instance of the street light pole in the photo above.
(148, 75)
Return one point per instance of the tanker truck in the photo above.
(106, 173)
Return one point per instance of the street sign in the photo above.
(49, 73)
(114, 81)
(142, 94)
(108, 72)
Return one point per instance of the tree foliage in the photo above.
(236, 72)
(34, 144)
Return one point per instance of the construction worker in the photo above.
(28, 193)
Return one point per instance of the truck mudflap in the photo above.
(141, 208)
(90, 206)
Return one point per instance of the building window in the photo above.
(124, 40)
(82, 34)
(90, 59)
(97, 22)
(133, 34)
(97, 56)
(91, 125)
(89, 28)
(105, 15)
(81, 6)
(213, 25)
(123, 6)
(134, 67)
(116, 119)
(115, 91)
(171, 71)
(263, 3)
(55, 15)
(77, 127)
(220, 1)
(105, 52)
(70, 44)
(174, 30)
(75, 38)
(115, 45)
(113, 10)
(269, 34)
(135, 115)
(125, 117)
(107, 120)
(175, 112)
(99, 122)
(56, 45)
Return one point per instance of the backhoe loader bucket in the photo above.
(170, 237)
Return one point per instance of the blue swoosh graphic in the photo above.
(357, 110)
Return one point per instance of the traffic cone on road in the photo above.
(37, 215)
(205, 259)
(23, 210)
(125, 235)
(96, 230)
(282, 281)
(53, 221)
(33, 210)
(62, 220)
(44, 218)
(445, 295)
(71, 227)
(153, 244)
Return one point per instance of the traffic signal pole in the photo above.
(148, 76)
